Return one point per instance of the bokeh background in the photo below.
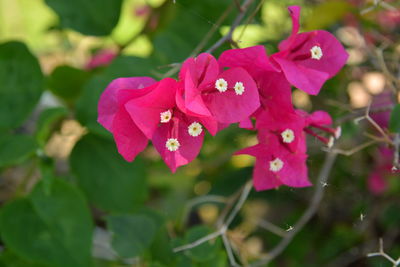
(68, 199)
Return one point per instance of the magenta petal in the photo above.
(145, 111)
(306, 79)
(294, 171)
(319, 117)
(275, 93)
(193, 98)
(334, 55)
(203, 69)
(228, 107)
(253, 59)
(246, 124)
(189, 146)
(263, 178)
(108, 103)
(129, 139)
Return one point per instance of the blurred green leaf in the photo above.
(94, 17)
(47, 122)
(108, 180)
(10, 259)
(52, 228)
(174, 41)
(67, 82)
(205, 251)
(326, 14)
(21, 82)
(15, 149)
(394, 123)
(132, 234)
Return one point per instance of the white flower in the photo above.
(275, 165)
(165, 116)
(316, 52)
(239, 88)
(287, 136)
(172, 144)
(221, 85)
(195, 129)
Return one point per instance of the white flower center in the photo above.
(239, 88)
(165, 116)
(316, 52)
(172, 144)
(275, 165)
(195, 129)
(221, 85)
(287, 136)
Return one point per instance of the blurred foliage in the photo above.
(69, 199)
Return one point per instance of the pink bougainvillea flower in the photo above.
(274, 89)
(101, 58)
(229, 96)
(178, 141)
(287, 127)
(176, 136)
(113, 116)
(321, 121)
(146, 110)
(308, 59)
(276, 166)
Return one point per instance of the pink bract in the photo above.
(292, 173)
(296, 60)
(113, 116)
(201, 97)
(177, 128)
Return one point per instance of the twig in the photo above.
(396, 144)
(271, 227)
(228, 37)
(222, 230)
(374, 124)
(360, 112)
(228, 248)
(382, 253)
(236, 22)
(351, 151)
(307, 215)
(201, 240)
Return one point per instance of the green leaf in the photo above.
(394, 123)
(48, 122)
(108, 180)
(94, 17)
(132, 234)
(205, 251)
(15, 149)
(67, 82)
(21, 84)
(52, 228)
(10, 259)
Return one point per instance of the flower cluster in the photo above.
(242, 86)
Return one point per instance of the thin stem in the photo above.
(236, 22)
(201, 240)
(239, 204)
(271, 227)
(229, 251)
